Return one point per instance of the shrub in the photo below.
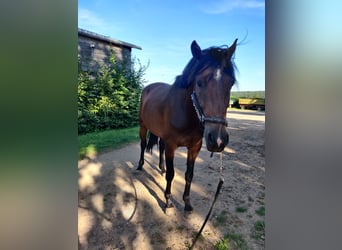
(110, 97)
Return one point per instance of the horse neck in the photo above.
(181, 97)
(182, 108)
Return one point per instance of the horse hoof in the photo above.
(169, 204)
(188, 208)
(139, 168)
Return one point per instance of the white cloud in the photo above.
(229, 5)
(88, 18)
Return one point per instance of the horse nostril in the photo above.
(210, 138)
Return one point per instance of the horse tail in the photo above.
(152, 140)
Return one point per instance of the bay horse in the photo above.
(194, 106)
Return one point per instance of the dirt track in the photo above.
(121, 208)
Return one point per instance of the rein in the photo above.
(219, 186)
(201, 116)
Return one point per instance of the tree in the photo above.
(110, 98)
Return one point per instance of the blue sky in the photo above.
(165, 30)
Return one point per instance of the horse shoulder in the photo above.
(180, 110)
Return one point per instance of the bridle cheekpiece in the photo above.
(201, 116)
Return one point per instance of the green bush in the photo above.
(110, 97)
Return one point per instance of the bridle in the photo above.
(201, 116)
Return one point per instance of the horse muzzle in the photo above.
(216, 139)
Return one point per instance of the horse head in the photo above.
(212, 84)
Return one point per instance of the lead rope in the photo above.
(219, 186)
(221, 168)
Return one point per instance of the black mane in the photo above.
(211, 57)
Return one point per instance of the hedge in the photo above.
(109, 98)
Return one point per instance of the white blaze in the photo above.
(218, 75)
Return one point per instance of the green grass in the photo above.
(222, 244)
(236, 240)
(221, 219)
(259, 230)
(260, 211)
(240, 209)
(98, 142)
(247, 94)
(259, 226)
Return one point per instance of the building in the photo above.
(94, 50)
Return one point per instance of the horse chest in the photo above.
(187, 139)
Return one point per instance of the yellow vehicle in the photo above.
(252, 103)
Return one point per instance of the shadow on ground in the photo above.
(122, 208)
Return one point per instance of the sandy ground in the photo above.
(122, 208)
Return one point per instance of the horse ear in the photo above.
(196, 50)
(232, 48)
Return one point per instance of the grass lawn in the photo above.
(97, 142)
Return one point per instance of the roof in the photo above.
(94, 35)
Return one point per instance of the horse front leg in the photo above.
(161, 155)
(170, 173)
(142, 133)
(192, 155)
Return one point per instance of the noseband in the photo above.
(201, 115)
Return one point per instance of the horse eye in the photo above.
(199, 83)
